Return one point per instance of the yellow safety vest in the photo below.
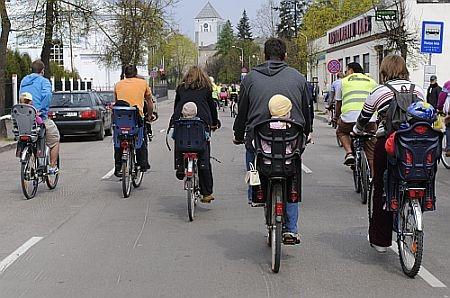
(355, 89)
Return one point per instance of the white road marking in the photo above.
(6, 262)
(108, 175)
(306, 169)
(423, 273)
(162, 130)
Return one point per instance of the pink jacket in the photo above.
(443, 95)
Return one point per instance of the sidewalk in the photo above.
(6, 145)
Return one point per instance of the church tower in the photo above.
(208, 25)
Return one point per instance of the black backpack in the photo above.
(396, 113)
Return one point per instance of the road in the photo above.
(97, 244)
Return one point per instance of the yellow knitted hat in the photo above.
(279, 105)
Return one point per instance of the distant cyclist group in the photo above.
(272, 106)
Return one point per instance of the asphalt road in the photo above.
(97, 244)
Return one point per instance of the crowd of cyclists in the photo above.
(273, 90)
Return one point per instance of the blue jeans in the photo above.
(447, 137)
(292, 209)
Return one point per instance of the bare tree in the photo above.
(266, 20)
(6, 26)
(402, 33)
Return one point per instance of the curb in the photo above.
(8, 147)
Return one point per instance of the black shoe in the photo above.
(145, 168)
(118, 171)
(179, 175)
(349, 159)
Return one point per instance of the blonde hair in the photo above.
(393, 67)
(196, 79)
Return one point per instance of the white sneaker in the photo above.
(379, 249)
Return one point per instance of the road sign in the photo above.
(429, 70)
(385, 15)
(432, 37)
(334, 66)
(153, 74)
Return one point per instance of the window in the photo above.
(57, 53)
(347, 61)
(366, 63)
(341, 61)
(356, 59)
(205, 27)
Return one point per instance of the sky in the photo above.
(186, 10)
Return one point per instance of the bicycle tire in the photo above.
(51, 183)
(445, 159)
(356, 179)
(26, 173)
(277, 195)
(126, 176)
(365, 181)
(410, 270)
(138, 176)
(370, 204)
(190, 199)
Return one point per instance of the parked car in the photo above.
(107, 98)
(80, 113)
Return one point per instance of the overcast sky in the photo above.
(186, 10)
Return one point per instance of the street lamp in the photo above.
(242, 54)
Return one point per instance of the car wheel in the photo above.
(101, 134)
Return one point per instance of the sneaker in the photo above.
(349, 159)
(290, 238)
(180, 174)
(257, 204)
(207, 199)
(53, 171)
(379, 249)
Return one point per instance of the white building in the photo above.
(361, 39)
(208, 25)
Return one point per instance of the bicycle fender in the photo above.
(23, 157)
(418, 215)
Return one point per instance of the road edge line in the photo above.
(9, 260)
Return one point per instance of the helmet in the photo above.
(421, 111)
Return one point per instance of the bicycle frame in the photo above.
(276, 210)
(190, 161)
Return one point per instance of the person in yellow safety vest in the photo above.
(215, 90)
(350, 95)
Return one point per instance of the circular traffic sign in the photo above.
(334, 66)
(153, 74)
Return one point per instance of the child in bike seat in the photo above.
(280, 108)
(27, 98)
(417, 112)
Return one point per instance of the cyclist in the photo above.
(134, 91)
(444, 107)
(196, 88)
(350, 95)
(332, 98)
(264, 81)
(41, 95)
(224, 94)
(394, 72)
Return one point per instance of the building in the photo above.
(208, 25)
(363, 39)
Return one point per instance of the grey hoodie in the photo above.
(264, 81)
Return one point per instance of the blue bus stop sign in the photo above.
(432, 37)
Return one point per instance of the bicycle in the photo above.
(129, 136)
(362, 176)
(282, 166)
(444, 158)
(234, 109)
(410, 189)
(34, 154)
(191, 139)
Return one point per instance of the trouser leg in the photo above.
(142, 154)
(249, 158)
(447, 137)
(206, 181)
(380, 227)
(118, 157)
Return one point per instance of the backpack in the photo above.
(396, 112)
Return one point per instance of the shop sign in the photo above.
(348, 31)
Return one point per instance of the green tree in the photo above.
(5, 29)
(286, 27)
(226, 39)
(244, 29)
(58, 72)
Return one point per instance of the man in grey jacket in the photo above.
(270, 78)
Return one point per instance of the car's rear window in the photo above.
(107, 97)
(71, 100)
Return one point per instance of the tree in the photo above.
(137, 24)
(4, 35)
(244, 29)
(266, 20)
(400, 35)
(226, 39)
(286, 27)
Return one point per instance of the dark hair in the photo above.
(130, 71)
(275, 49)
(196, 79)
(356, 67)
(37, 66)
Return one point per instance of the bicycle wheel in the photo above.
(365, 181)
(127, 169)
(52, 180)
(190, 198)
(276, 228)
(138, 176)
(29, 179)
(410, 238)
(445, 159)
